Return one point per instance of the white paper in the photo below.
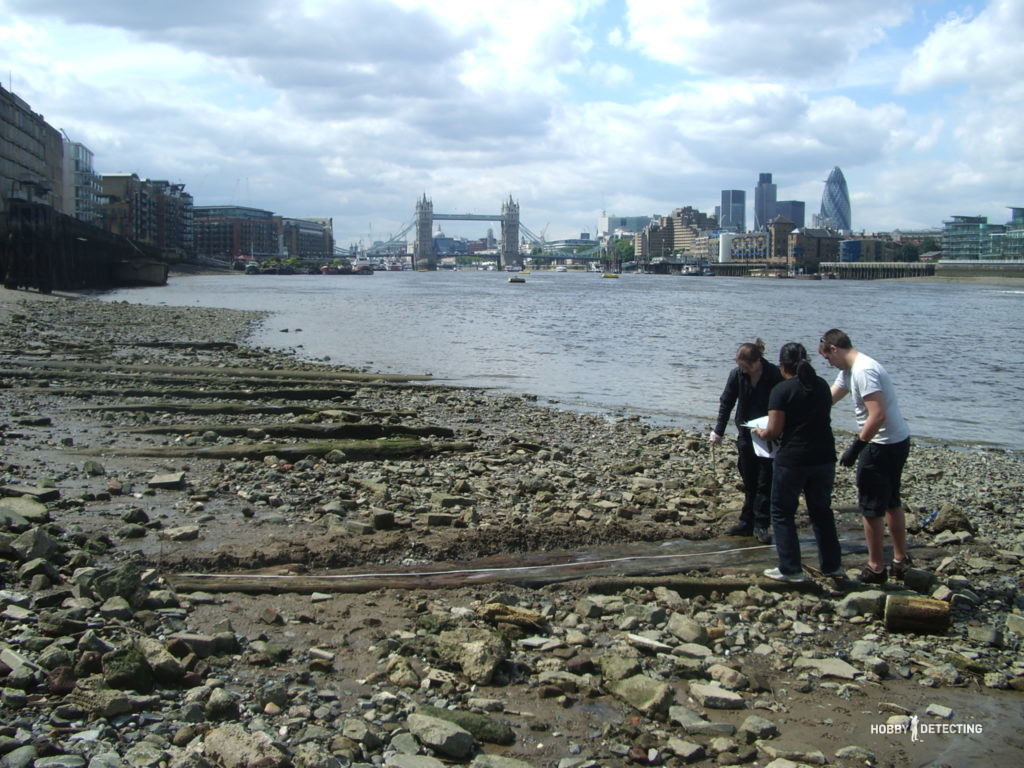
(762, 448)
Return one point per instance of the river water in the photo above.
(655, 346)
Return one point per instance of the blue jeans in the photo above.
(815, 483)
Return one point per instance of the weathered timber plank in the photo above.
(242, 409)
(351, 431)
(339, 376)
(446, 579)
(354, 450)
(195, 394)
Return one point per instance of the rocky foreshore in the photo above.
(438, 576)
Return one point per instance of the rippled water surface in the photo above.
(653, 345)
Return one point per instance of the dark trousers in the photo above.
(757, 483)
(816, 484)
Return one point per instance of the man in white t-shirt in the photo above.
(879, 450)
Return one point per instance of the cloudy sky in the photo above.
(354, 108)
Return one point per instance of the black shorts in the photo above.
(879, 471)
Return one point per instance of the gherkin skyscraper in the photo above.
(835, 203)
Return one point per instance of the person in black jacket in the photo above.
(747, 388)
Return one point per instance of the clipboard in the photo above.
(764, 449)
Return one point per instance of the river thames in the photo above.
(659, 347)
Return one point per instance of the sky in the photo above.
(354, 109)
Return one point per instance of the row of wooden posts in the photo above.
(45, 250)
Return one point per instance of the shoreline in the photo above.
(102, 403)
(182, 270)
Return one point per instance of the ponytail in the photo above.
(806, 375)
(793, 360)
(750, 353)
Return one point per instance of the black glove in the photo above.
(849, 457)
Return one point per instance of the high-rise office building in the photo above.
(792, 210)
(733, 211)
(81, 183)
(764, 201)
(835, 203)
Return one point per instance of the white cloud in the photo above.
(353, 108)
(611, 75)
(803, 40)
(983, 51)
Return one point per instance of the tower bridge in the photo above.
(423, 252)
(425, 257)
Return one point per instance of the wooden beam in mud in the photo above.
(687, 585)
(351, 431)
(154, 380)
(195, 394)
(243, 409)
(205, 409)
(354, 450)
(340, 376)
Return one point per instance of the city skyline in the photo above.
(352, 110)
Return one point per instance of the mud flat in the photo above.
(218, 555)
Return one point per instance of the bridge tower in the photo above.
(510, 255)
(423, 255)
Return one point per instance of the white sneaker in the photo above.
(777, 575)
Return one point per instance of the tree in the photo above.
(623, 250)
(908, 252)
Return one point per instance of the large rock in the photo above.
(650, 696)
(313, 755)
(1015, 623)
(127, 669)
(96, 700)
(413, 761)
(124, 581)
(497, 761)
(166, 668)
(482, 727)
(36, 542)
(20, 757)
(869, 602)
(686, 629)
(144, 755)
(20, 513)
(477, 651)
(618, 666)
(714, 696)
(695, 725)
(231, 746)
(952, 519)
(444, 737)
(828, 667)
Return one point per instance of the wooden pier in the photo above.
(875, 270)
(45, 250)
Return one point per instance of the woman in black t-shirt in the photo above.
(800, 411)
